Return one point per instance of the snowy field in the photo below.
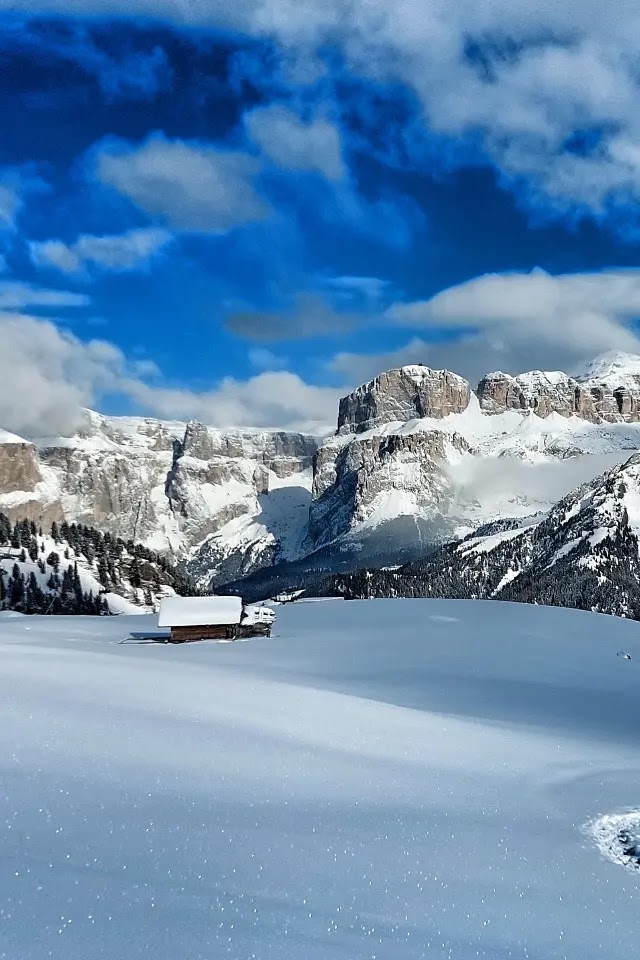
(385, 780)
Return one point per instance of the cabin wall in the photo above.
(212, 632)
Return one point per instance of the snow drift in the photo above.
(388, 780)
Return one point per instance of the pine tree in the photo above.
(67, 580)
(36, 600)
(77, 585)
(103, 571)
(134, 574)
(17, 595)
(53, 583)
(5, 529)
(55, 535)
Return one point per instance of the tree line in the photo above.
(603, 577)
(116, 563)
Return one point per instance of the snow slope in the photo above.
(614, 368)
(6, 437)
(385, 780)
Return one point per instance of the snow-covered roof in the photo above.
(199, 611)
(258, 614)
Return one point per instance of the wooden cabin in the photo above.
(213, 618)
(201, 618)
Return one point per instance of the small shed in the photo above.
(257, 621)
(201, 618)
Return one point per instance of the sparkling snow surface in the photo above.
(386, 780)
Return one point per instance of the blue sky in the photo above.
(238, 212)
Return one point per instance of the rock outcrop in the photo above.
(408, 393)
(543, 393)
(593, 396)
(404, 468)
(279, 451)
(167, 485)
(383, 475)
(24, 491)
(19, 468)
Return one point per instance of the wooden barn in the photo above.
(212, 618)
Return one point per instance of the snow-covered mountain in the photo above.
(584, 553)
(417, 457)
(418, 442)
(168, 485)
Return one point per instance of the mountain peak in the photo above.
(405, 393)
(612, 365)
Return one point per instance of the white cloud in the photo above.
(274, 399)
(191, 186)
(522, 321)
(16, 183)
(10, 203)
(263, 359)
(133, 250)
(541, 71)
(359, 368)
(16, 295)
(372, 288)
(57, 254)
(49, 375)
(294, 144)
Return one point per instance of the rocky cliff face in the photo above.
(543, 393)
(414, 442)
(26, 490)
(379, 477)
(19, 468)
(584, 553)
(409, 393)
(423, 428)
(598, 395)
(167, 485)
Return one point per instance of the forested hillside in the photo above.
(76, 569)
